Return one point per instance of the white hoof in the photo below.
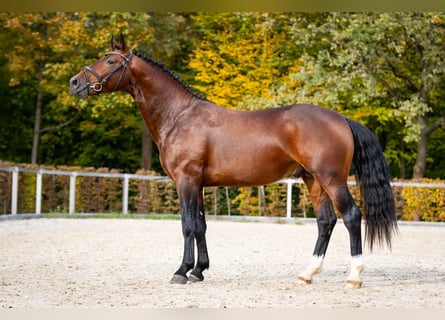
(354, 284)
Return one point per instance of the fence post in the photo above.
(228, 201)
(289, 199)
(125, 195)
(72, 192)
(39, 192)
(15, 189)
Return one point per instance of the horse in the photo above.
(202, 144)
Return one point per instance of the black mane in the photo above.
(160, 65)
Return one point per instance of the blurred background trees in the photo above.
(385, 70)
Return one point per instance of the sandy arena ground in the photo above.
(48, 263)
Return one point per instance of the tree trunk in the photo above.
(38, 118)
(402, 162)
(147, 148)
(419, 167)
(39, 102)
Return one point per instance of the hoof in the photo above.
(178, 279)
(355, 284)
(303, 280)
(194, 278)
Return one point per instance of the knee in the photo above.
(188, 230)
(327, 222)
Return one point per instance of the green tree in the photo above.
(389, 67)
(44, 51)
(15, 118)
(28, 56)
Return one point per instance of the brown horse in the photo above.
(202, 144)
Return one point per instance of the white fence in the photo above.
(126, 178)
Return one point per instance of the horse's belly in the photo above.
(251, 157)
(249, 173)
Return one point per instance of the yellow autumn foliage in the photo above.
(238, 64)
(424, 204)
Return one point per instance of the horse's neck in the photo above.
(161, 100)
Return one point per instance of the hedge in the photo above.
(104, 195)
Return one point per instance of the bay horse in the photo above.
(202, 144)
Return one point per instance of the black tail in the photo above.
(372, 175)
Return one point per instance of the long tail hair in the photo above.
(373, 177)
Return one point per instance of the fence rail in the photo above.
(125, 187)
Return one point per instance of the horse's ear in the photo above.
(118, 45)
(113, 43)
(122, 42)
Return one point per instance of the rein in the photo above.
(97, 86)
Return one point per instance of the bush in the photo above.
(424, 204)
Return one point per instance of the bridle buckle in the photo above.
(97, 86)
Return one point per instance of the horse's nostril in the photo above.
(74, 82)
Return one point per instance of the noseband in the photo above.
(98, 86)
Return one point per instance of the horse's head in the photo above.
(108, 74)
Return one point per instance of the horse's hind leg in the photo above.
(351, 214)
(326, 220)
(203, 258)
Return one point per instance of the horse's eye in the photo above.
(110, 62)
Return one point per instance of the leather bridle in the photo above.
(101, 79)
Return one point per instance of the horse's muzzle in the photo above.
(78, 88)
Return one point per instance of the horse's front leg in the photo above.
(188, 193)
(201, 227)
